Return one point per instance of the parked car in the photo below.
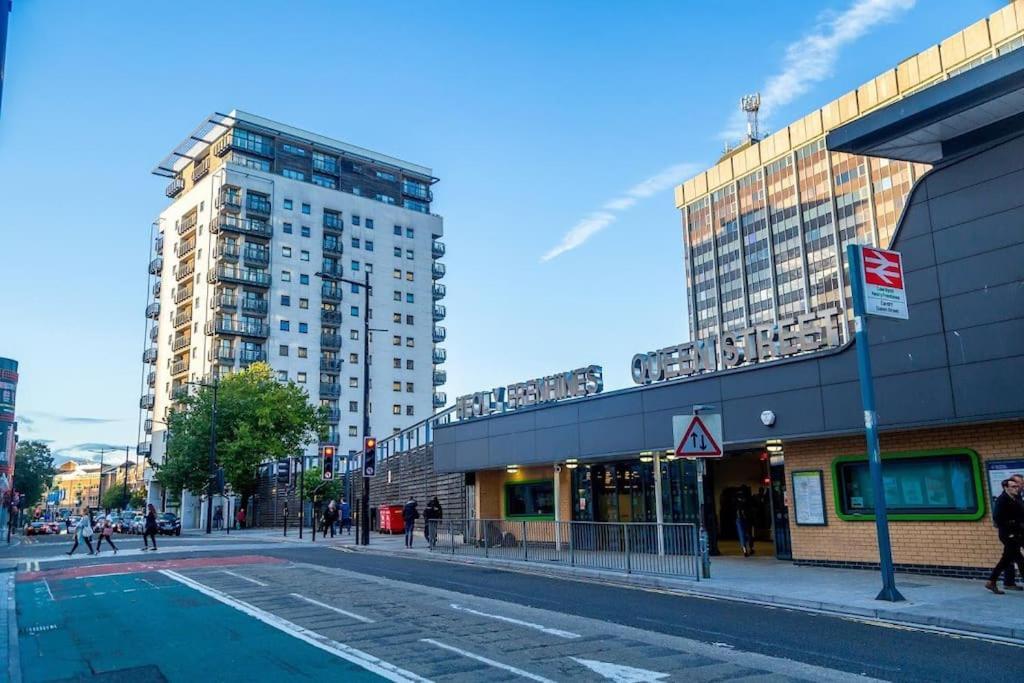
(168, 524)
(123, 523)
(138, 524)
(55, 526)
(37, 529)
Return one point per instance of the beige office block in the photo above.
(700, 187)
(952, 52)
(929, 64)
(747, 160)
(886, 86)
(830, 116)
(775, 146)
(867, 95)
(680, 196)
(907, 74)
(1003, 24)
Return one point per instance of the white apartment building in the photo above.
(263, 216)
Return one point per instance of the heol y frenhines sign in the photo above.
(580, 382)
(884, 291)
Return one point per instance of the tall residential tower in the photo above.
(263, 217)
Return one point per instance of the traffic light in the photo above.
(328, 460)
(369, 456)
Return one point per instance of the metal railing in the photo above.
(631, 548)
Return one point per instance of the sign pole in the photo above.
(658, 507)
(867, 395)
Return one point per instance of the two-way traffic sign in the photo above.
(698, 436)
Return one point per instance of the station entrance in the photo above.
(746, 508)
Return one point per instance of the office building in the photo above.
(766, 226)
(263, 218)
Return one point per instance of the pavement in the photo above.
(957, 605)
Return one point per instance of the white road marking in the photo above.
(50, 592)
(544, 629)
(373, 664)
(243, 578)
(489, 662)
(332, 608)
(620, 673)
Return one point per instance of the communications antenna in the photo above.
(751, 104)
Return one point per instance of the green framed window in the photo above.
(530, 499)
(933, 485)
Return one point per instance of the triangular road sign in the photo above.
(699, 441)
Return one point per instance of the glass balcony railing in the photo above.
(156, 289)
(252, 356)
(437, 270)
(439, 313)
(147, 402)
(145, 448)
(331, 317)
(229, 251)
(243, 142)
(151, 379)
(175, 187)
(183, 318)
(330, 292)
(179, 366)
(330, 390)
(439, 356)
(439, 334)
(186, 247)
(243, 226)
(439, 291)
(330, 365)
(257, 257)
(237, 327)
(437, 249)
(333, 222)
(440, 377)
(200, 169)
(225, 273)
(257, 205)
(254, 305)
(440, 399)
(221, 354)
(183, 293)
(333, 247)
(230, 198)
(149, 355)
(154, 332)
(188, 223)
(153, 310)
(330, 341)
(180, 343)
(185, 270)
(156, 265)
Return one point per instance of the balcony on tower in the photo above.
(182, 318)
(329, 340)
(332, 365)
(230, 198)
(186, 247)
(149, 355)
(440, 399)
(332, 221)
(244, 141)
(330, 390)
(330, 317)
(145, 449)
(439, 334)
(330, 292)
(256, 256)
(224, 301)
(158, 246)
(437, 270)
(244, 276)
(147, 401)
(147, 425)
(251, 227)
(154, 332)
(156, 289)
(257, 204)
(333, 415)
(439, 291)
(254, 305)
(439, 356)
(437, 249)
(151, 379)
(156, 265)
(188, 223)
(228, 251)
(200, 169)
(439, 313)
(153, 310)
(175, 187)
(440, 377)
(333, 246)
(184, 270)
(221, 354)
(183, 293)
(241, 328)
(180, 366)
(180, 342)
(248, 356)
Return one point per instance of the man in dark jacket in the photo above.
(432, 512)
(1009, 519)
(409, 515)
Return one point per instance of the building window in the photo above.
(282, 375)
(304, 255)
(396, 386)
(293, 174)
(353, 335)
(303, 328)
(410, 342)
(385, 175)
(306, 209)
(303, 303)
(409, 275)
(409, 319)
(408, 387)
(919, 485)
(353, 431)
(398, 252)
(396, 340)
(396, 317)
(301, 379)
(353, 406)
(287, 205)
(287, 228)
(409, 410)
(353, 382)
(396, 409)
(355, 220)
(409, 365)
(369, 224)
(416, 205)
(397, 295)
(353, 358)
(303, 352)
(282, 350)
(285, 325)
(398, 230)
(354, 288)
(397, 363)
(324, 181)
(408, 297)
(286, 300)
(530, 499)
(409, 254)
(286, 276)
(354, 311)
(409, 232)
(355, 265)
(292, 149)
(286, 252)
(369, 245)
(397, 273)
(306, 231)
(355, 242)
(303, 279)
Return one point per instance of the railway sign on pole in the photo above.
(698, 436)
(885, 293)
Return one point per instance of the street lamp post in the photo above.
(124, 497)
(364, 512)
(213, 450)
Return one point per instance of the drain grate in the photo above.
(38, 629)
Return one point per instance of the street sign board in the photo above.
(698, 436)
(884, 291)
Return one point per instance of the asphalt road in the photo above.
(839, 644)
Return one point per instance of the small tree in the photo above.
(113, 498)
(33, 471)
(316, 489)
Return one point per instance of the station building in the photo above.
(948, 381)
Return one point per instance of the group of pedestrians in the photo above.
(410, 513)
(1008, 512)
(337, 518)
(84, 533)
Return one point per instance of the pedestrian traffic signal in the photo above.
(369, 456)
(328, 461)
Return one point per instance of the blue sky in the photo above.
(543, 121)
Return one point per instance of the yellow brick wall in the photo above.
(490, 490)
(955, 544)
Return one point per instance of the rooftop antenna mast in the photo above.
(751, 104)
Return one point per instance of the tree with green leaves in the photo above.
(33, 471)
(258, 419)
(316, 489)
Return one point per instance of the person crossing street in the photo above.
(1009, 519)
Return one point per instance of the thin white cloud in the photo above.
(812, 58)
(608, 214)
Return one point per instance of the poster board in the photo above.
(809, 498)
(995, 472)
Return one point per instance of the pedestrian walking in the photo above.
(1009, 519)
(409, 515)
(346, 516)
(83, 534)
(432, 512)
(240, 518)
(106, 534)
(149, 531)
(331, 517)
(744, 530)
(218, 517)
